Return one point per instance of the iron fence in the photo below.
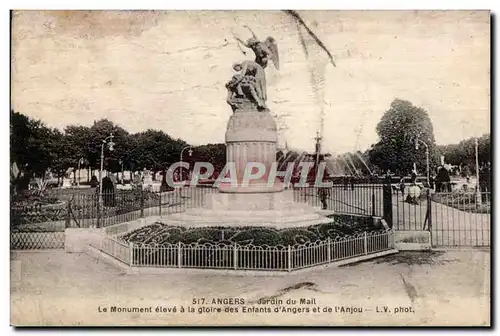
(461, 219)
(361, 199)
(246, 257)
(82, 208)
(37, 213)
(457, 218)
(116, 248)
(411, 210)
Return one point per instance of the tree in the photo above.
(212, 153)
(155, 150)
(463, 154)
(60, 152)
(100, 131)
(129, 160)
(398, 130)
(77, 139)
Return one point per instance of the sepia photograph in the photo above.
(250, 168)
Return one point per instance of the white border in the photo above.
(256, 4)
(148, 4)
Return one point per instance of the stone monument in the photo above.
(251, 136)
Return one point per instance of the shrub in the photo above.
(259, 237)
(160, 233)
(198, 234)
(298, 236)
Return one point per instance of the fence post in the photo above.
(68, 215)
(289, 258)
(235, 256)
(179, 255)
(99, 210)
(387, 199)
(366, 243)
(373, 200)
(131, 251)
(329, 249)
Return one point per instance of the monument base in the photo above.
(276, 210)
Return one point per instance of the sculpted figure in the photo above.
(263, 50)
(249, 83)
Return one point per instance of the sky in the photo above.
(166, 70)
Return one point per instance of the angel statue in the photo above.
(263, 50)
(249, 83)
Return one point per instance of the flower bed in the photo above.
(29, 199)
(248, 248)
(87, 207)
(30, 209)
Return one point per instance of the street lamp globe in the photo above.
(190, 152)
(111, 146)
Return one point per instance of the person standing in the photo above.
(323, 194)
(402, 187)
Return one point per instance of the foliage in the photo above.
(77, 140)
(32, 144)
(160, 233)
(62, 154)
(398, 130)
(463, 154)
(155, 150)
(36, 148)
(212, 153)
(99, 131)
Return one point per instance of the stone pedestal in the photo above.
(251, 136)
(275, 210)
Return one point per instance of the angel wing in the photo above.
(271, 44)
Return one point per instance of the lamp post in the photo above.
(426, 157)
(110, 146)
(121, 164)
(190, 152)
